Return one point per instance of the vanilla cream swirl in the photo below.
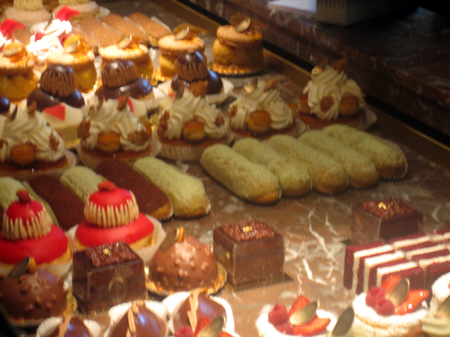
(109, 119)
(259, 99)
(26, 129)
(435, 327)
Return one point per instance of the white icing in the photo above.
(371, 262)
(436, 327)
(381, 272)
(385, 326)
(409, 255)
(408, 242)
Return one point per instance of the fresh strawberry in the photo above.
(412, 300)
(202, 322)
(314, 327)
(373, 295)
(285, 328)
(389, 283)
(278, 315)
(384, 307)
(299, 303)
(185, 331)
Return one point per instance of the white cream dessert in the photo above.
(260, 109)
(27, 12)
(440, 291)
(435, 326)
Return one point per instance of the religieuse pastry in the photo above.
(17, 79)
(260, 111)
(28, 231)
(27, 12)
(59, 101)
(188, 125)
(184, 38)
(331, 97)
(238, 48)
(154, 30)
(78, 55)
(112, 132)
(129, 49)
(119, 78)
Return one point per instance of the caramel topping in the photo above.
(58, 80)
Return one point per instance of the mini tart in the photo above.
(128, 49)
(237, 52)
(170, 48)
(78, 55)
(17, 79)
(27, 231)
(112, 215)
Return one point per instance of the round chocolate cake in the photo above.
(186, 265)
(71, 326)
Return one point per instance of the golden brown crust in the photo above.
(154, 30)
(126, 27)
(169, 46)
(227, 35)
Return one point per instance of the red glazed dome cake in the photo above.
(112, 215)
(186, 264)
(28, 232)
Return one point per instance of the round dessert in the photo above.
(28, 231)
(188, 125)
(29, 143)
(17, 79)
(331, 97)
(173, 45)
(128, 49)
(32, 294)
(119, 78)
(186, 265)
(379, 315)
(112, 215)
(60, 102)
(261, 112)
(68, 326)
(27, 12)
(139, 318)
(238, 48)
(78, 55)
(83, 7)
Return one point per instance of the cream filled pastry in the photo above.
(27, 12)
(260, 110)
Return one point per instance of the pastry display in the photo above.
(81, 180)
(383, 219)
(360, 170)
(186, 192)
(68, 326)
(107, 275)
(28, 231)
(238, 48)
(83, 7)
(150, 198)
(59, 101)
(119, 78)
(261, 112)
(127, 48)
(17, 79)
(294, 179)
(27, 12)
(112, 215)
(282, 321)
(126, 27)
(327, 175)
(383, 315)
(246, 179)
(138, 318)
(387, 158)
(112, 132)
(154, 30)
(31, 293)
(104, 34)
(250, 251)
(78, 55)
(188, 125)
(331, 97)
(65, 205)
(29, 143)
(184, 265)
(184, 38)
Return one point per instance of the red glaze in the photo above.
(91, 236)
(25, 209)
(43, 249)
(110, 195)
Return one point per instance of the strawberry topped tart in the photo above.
(28, 232)
(112, 215)
(277, 322)
(375, 312)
